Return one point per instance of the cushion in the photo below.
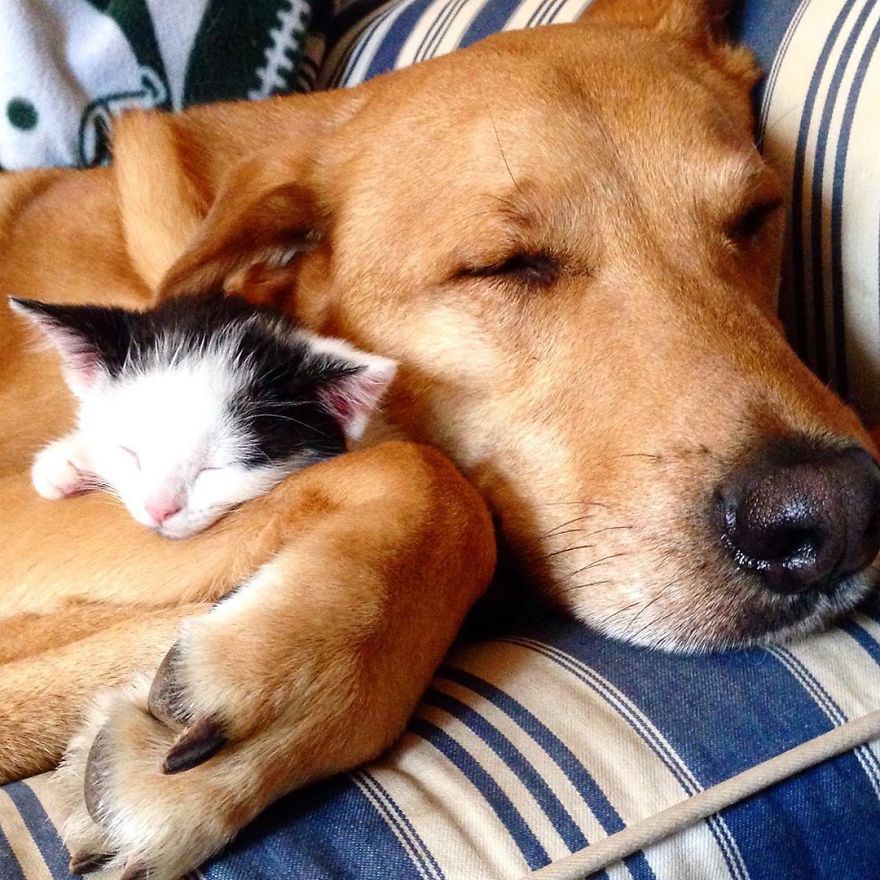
(67, 67)
(531, 746)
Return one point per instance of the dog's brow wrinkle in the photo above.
(506, 163)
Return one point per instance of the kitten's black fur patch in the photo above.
(279, 406)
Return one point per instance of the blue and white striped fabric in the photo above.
(530, 747)
(818, 124)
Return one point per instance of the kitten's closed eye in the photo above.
(132, 454)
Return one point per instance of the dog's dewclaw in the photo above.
(86, 863)
(96, 765)
(164, 701)
(200, 741)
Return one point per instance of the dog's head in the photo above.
(570, 243)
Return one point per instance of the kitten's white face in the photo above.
(165, 443)
(203, 403)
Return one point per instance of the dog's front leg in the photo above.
(312, 667)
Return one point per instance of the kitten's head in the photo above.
(204, 402)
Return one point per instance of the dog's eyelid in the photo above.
(749, 222)
(527, 267)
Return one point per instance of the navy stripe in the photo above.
(553, 12)
(817, 213)
(438, 29)
(799, 293)
(724, 713)
(491, 18)
(535, 17)
(767, 28)
(361, 43)
(423, 856)
(600, 686)
(831, 708)
(521, 767)
(837, 203)
(534, 854)
(10, 869)
(562, 756)
(40, 827)
(393, 41)
(588, 676)
(357, 46)
(328, 831)
(864, 638)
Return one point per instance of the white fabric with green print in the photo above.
(67, 67)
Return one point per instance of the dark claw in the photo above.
(199, 742)
(96, 771)
(135, 871)
(85, 863)
(166, 701)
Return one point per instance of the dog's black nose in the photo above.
(806, 523)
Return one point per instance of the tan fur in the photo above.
(595, 413)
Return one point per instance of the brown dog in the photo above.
(570, 243)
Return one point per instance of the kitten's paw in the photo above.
(58, 470)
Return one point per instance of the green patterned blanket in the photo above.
(67, 67)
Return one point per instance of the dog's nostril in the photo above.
(803, 524)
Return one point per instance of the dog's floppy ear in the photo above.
(699, 23)
(169, 168)
(268, 209)
(690, 20)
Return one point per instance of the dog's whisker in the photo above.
(565, 550)
(644, 608)
(571, 588)
(603, 560)
(608, 618)
(569, 522)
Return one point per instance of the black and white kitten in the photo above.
(199, 404)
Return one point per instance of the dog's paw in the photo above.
(58, 470)
(248, 714)
(125, 812)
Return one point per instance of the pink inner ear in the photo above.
(80, 362)
(81, 370)
(352, 398)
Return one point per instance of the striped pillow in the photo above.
(819, 107)
(530, 747)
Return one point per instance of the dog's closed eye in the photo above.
(747, 225)
(532, 269)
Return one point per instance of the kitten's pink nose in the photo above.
(161, 509)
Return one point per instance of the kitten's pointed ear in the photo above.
(353, 385)
(68, 329)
